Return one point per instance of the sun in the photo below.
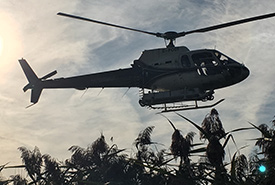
(9, 42)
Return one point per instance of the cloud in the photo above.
(67, 117)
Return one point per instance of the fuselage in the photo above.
(174, 70)
(203, 69)
(163, 70)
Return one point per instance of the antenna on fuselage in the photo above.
(100, 91)
(86, 89)
(126, 92)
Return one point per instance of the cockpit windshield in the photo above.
(223, 59)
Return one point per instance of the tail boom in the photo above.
(128, 77)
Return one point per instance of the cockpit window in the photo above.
(199, 58)
(222, 58)
(206, 63)
(204, 57)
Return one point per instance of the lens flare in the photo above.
(262, 168)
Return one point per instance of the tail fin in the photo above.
(34, 82)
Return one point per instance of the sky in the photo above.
(31, 29)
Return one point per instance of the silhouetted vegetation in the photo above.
(101, 163)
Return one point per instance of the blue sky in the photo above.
(62, 118)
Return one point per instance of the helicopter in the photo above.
(167, 77)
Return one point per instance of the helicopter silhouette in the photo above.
(167, 77)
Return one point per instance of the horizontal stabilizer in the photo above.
(49, 75)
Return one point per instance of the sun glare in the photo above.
(9, 42)
(1, 45)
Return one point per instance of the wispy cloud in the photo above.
(64, 117)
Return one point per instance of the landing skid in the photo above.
(166, 108)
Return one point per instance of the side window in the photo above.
(185, 62)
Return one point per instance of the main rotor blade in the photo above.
(105, 23)
(233, 23)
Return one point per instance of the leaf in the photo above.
(233, 167)
(144, 137)
(196, 144)
(199, 150)
(240, 129)
(16, 166)
(189, 137)
(264, 132)
(110, 155)
(197, 126)
(169, 122)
